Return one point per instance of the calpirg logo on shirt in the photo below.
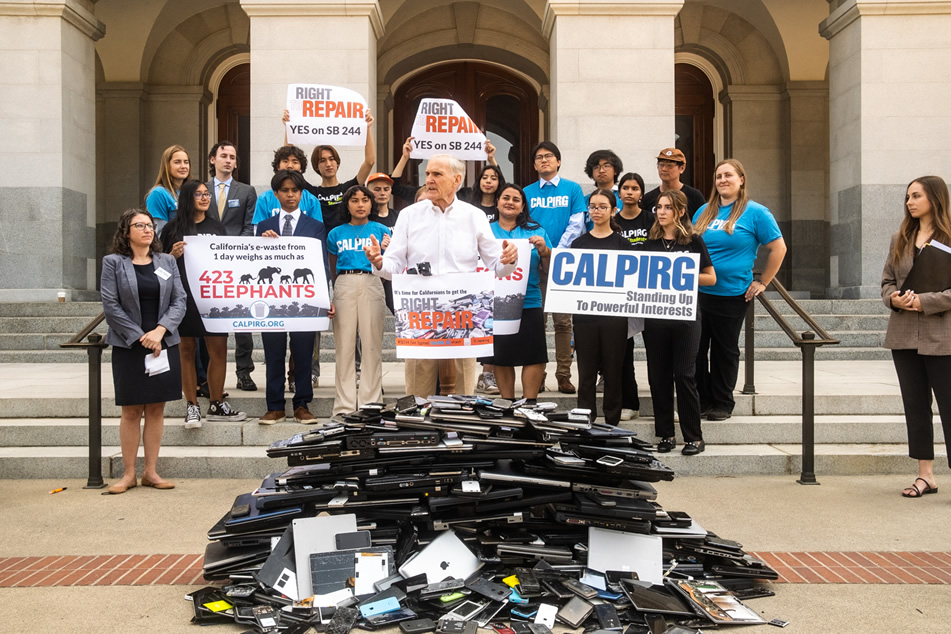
(717, 225)
(353, 244)
(549, 202)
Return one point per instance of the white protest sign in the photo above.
(443, 127)
(510, 291)
(243, 284)
(443, 316)
(325, 115)
(623, 283)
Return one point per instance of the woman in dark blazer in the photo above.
(143, 300)
(919, 327)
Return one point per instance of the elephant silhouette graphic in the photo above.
(285, 279)
(303, 274)
(267, 274)
(246, 279)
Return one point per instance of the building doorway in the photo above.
(694, 108)
(234, 116)
(502, 104)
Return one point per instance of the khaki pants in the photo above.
(361, 307)
(562, 322)
(421, 375)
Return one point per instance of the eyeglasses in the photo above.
(603, 167)
(143, 226)
(202, 195)
(544, 157)
(666, 163)
(599, 208)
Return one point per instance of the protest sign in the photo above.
(325, 115)
(243, 284)
(510, 291)
(443, 127)
(623, 283)
(443, 316)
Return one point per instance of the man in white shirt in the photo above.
(450, 235)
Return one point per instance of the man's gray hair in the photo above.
(456, 166)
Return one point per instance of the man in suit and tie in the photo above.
(288, 186)
(233, 204)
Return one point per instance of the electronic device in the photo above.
(547, 613)
(343, 620)
(575, 611)
(417, 626)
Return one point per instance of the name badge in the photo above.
(234, 203)
(162, 273)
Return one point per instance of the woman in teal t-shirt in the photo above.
(162, 199)
(360, 303)
(733, 228)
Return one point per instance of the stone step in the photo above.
(738, 430)
(832, 323)
(251, 462)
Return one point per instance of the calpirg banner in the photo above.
(443, 316)
(244, 284)
(623, 283)
(325, 115)
(443, 127)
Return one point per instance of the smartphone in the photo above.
(417, 626)
(342, 621)
(575, 611)
(266, 618)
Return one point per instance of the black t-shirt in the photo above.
(614, 242)
(695, 199)
(330, 199)
(698, 246)
(207, 227)
(389, 220)
(636, 229)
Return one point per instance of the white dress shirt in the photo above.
(450, 241)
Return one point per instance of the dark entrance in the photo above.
(694, 125)
(501, 103)
(234, 116)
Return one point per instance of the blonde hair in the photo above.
(678, 200)
(164, 178)
(713, 202)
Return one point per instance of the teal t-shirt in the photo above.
(268, 206)
(347, 242)
(733, 255)
(161, 204)
(533, 293)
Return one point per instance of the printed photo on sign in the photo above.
(623, 284)
(510, 291)
(443, 316)
(443, 127)
(243, 284)
(325, 115)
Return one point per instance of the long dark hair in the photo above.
(682, 223)
(476, 196)
(350, 193)
(120, 241)
(936, 191)
(183, 224)
(609, 194)
(523, 220)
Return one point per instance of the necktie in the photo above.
(222, 201)
(288, 230)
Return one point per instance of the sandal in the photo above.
(918, 492)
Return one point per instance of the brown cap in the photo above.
(379, 176)
(672, 154)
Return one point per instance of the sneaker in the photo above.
(203, 390)
(222, 411)
(315, 380)
(599, 388)
(192, 416)
(303, 416)
(630, 414)
(272, 416)
(486, 384)
(246, 383)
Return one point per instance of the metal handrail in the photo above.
(94, 346)
(807, 342)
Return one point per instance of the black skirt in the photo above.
(527, 346)
(135, 387)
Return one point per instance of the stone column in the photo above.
(47, 153)
(612, 80)
(889, 123)
(307, 41)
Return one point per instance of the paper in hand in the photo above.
(157, 364)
